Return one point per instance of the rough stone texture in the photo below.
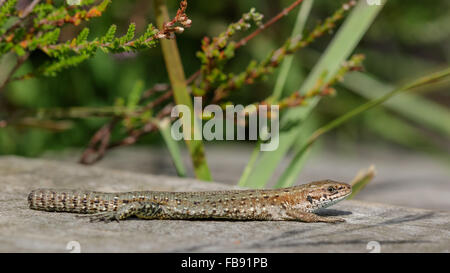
(396, 229)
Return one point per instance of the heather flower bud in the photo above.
(178, 29)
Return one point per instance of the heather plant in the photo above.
(36, 27)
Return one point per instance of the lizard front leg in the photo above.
(309, 217)
(146, 210)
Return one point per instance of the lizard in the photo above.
(297, 203)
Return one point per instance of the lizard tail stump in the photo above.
(296, 203)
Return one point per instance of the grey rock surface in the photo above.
(392, 228)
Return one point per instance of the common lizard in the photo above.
(296, 203)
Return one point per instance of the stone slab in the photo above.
(393, 228)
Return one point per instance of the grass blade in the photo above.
(404, 134)
(249, 177)
(288, 178)
(361, 180)
(286, 65)
(248, 168)
(172, 146)
(410, 106)
(178, 82)
(338, 51)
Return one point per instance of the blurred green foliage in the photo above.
(409, 38)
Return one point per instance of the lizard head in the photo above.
(322, 194)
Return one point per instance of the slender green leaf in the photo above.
(404, 134)
(288, 178)
(249, 167)
(338, 51)
(410, 106)
(135, 95)
(251, 177)
(182, 97)
(172, 146)
(361, 180)
(345, 41)
(286, 65)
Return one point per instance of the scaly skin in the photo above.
(296, 203)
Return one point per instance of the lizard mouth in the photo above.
(331, 202)
(334, 201)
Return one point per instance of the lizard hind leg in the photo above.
(138, 209)
(149, 210)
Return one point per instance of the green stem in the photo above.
(178, 81)
(245, 180)
(172, 146)
(335, 123)
(251, 163)
(287, 180)
(286, 65)
(361, 180)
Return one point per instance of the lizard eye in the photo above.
(330, 189)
